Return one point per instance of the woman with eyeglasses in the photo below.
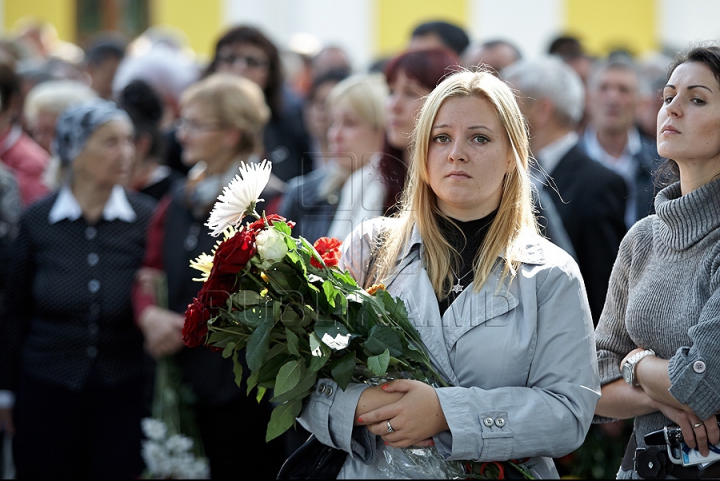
(221, 124)
(247, 52)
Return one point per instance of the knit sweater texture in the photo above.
(664, 296)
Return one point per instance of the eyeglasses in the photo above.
(247, 60)
(191, 126)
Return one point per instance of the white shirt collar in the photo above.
(67, 207)
(620, 164)
(549, 156)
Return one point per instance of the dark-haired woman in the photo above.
(148, 175)
(248, 52)
(411, 76)
(657, 339)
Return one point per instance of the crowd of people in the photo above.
(549, 222)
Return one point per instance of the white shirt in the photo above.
(623, 165)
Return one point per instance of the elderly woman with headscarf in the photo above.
(69, 349)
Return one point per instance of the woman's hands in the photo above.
(416, 416)
(652, 375)
(696, 432)
(162, 329)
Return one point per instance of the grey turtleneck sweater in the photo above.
(664, 295)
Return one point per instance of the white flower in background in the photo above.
(337, 342)
(153, 429)
(179, 443)
(271, 244)
(239, 198)
(170, 457)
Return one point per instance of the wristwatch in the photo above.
(628, 368)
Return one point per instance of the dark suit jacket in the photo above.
(590, 199)
(302, 203)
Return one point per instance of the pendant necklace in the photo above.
(458, 288)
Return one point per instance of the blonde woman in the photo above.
(347, 189)
(222, 121)
(503, 311)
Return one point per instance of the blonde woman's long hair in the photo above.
(419, 208)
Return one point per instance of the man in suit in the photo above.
(615, 92)
(589, 197)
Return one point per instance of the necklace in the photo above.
(458, 288)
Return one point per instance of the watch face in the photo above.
(627, 372)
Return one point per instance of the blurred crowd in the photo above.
(339, 141)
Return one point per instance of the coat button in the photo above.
(90, 233)
(699, 367)
(321, 389)
(329, 391)
(500, 422)
(488, 421)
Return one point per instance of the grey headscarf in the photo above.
(78, 122)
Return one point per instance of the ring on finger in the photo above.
(696, 425)
(389, 427)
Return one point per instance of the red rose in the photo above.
(216, 289)
(195, 328)
(234, 253)
(259, 224)
(329, 250)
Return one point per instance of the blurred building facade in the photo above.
(372, 29)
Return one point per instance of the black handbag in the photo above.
(313, 460)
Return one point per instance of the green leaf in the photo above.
(260, 394)
(379, 364)
(381, 338)
(301, 391)
(330, 292)
(246, 298)
(289, 376)
(317, 346)
(237, 368)
(258, 346)
(255, 316)
(282, 418)
(229, 350)
(282, 227)
(293, 342)
(343, 370)
(330, 327)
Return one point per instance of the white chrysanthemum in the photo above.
(203, 263)
(238, 198)
(153, 428)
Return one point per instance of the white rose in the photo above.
(270, 245)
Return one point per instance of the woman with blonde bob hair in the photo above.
(502, 310)
(334, 199)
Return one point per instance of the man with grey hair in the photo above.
(589, 197)
(615, 92)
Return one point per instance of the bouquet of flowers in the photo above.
(298, 318)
